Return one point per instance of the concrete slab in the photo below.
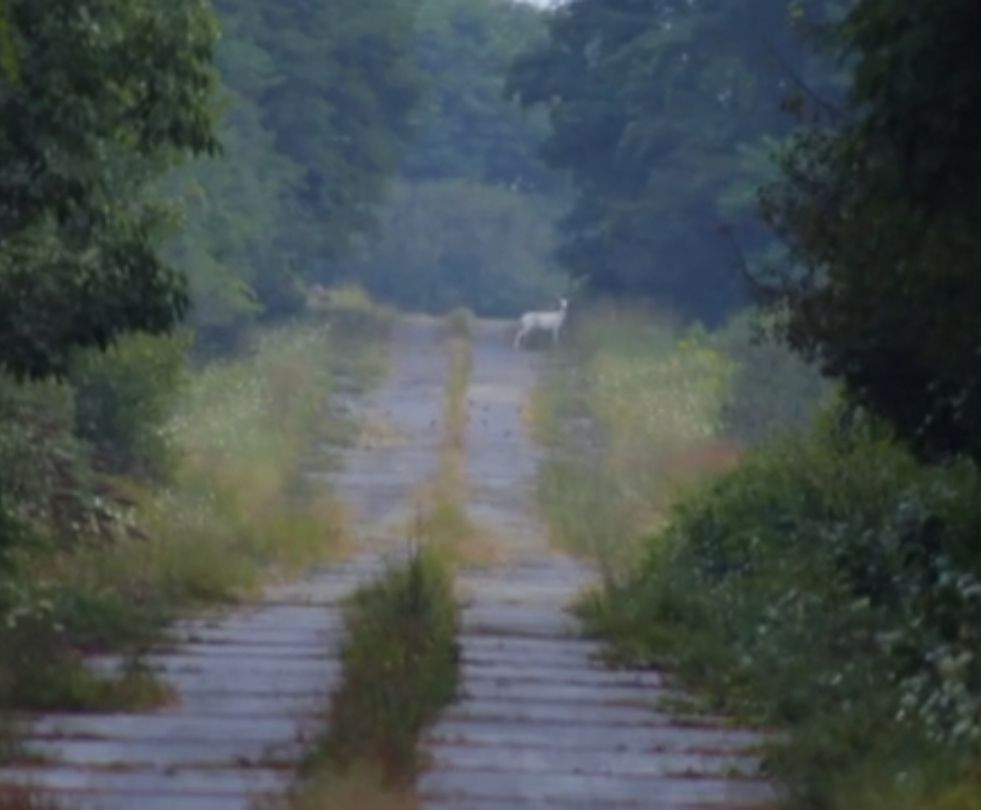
(141, 801)
(598, 762)
(549, 674)
(172, 728)
(572, 713)
(638, 739)
(642, 792)
(235, 782)
(489, 688)
(143, 754)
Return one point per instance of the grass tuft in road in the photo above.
(442, 521)
(401, 667)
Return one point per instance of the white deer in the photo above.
(542, 321)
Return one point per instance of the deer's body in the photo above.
(542, 322)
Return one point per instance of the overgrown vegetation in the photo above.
(830, 583)
(442, 520)
(93, 561)
(830, 586)
(636, 408)
(818, 579)
(87, 125)
(664, 116)
(400, 668)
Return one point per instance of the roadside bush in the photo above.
(48, 490)
(773, 391)
(235, 510)
(831, 585)
(123, 398)
(352, 313)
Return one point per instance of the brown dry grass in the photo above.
(378, 432)
(25, 798)
(360, 788)
(698, 460)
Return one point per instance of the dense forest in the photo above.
(180, 181)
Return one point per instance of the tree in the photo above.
(466, 127)
(317, 97)
(660, 112)
(339, 106)
(8, 55)
(237, 206)
(457, 243)
(881, 209)
(107, 95)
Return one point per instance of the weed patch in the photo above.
(458, 324)
(441, 519)
(361, 787)
(400, 668)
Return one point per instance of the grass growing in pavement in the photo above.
(458, 324)
(401, 660)
(67, 684)
(400, 668)
(442, 520)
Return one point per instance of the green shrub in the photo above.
(47, 488)
(352, 314)
(458, 323)
(772, 391)
(831, 585)
(233, 511)
(123, 398)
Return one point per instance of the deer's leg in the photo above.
(519, 337)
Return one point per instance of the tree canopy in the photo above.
(880, 204)
(662, 112)
(316, 100)
(104, 98)
(472, 217)
(444, 244)
(466, 127)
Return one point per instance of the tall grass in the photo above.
(638, 409)
(400, 669)
(234, 512)
(629, 411)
